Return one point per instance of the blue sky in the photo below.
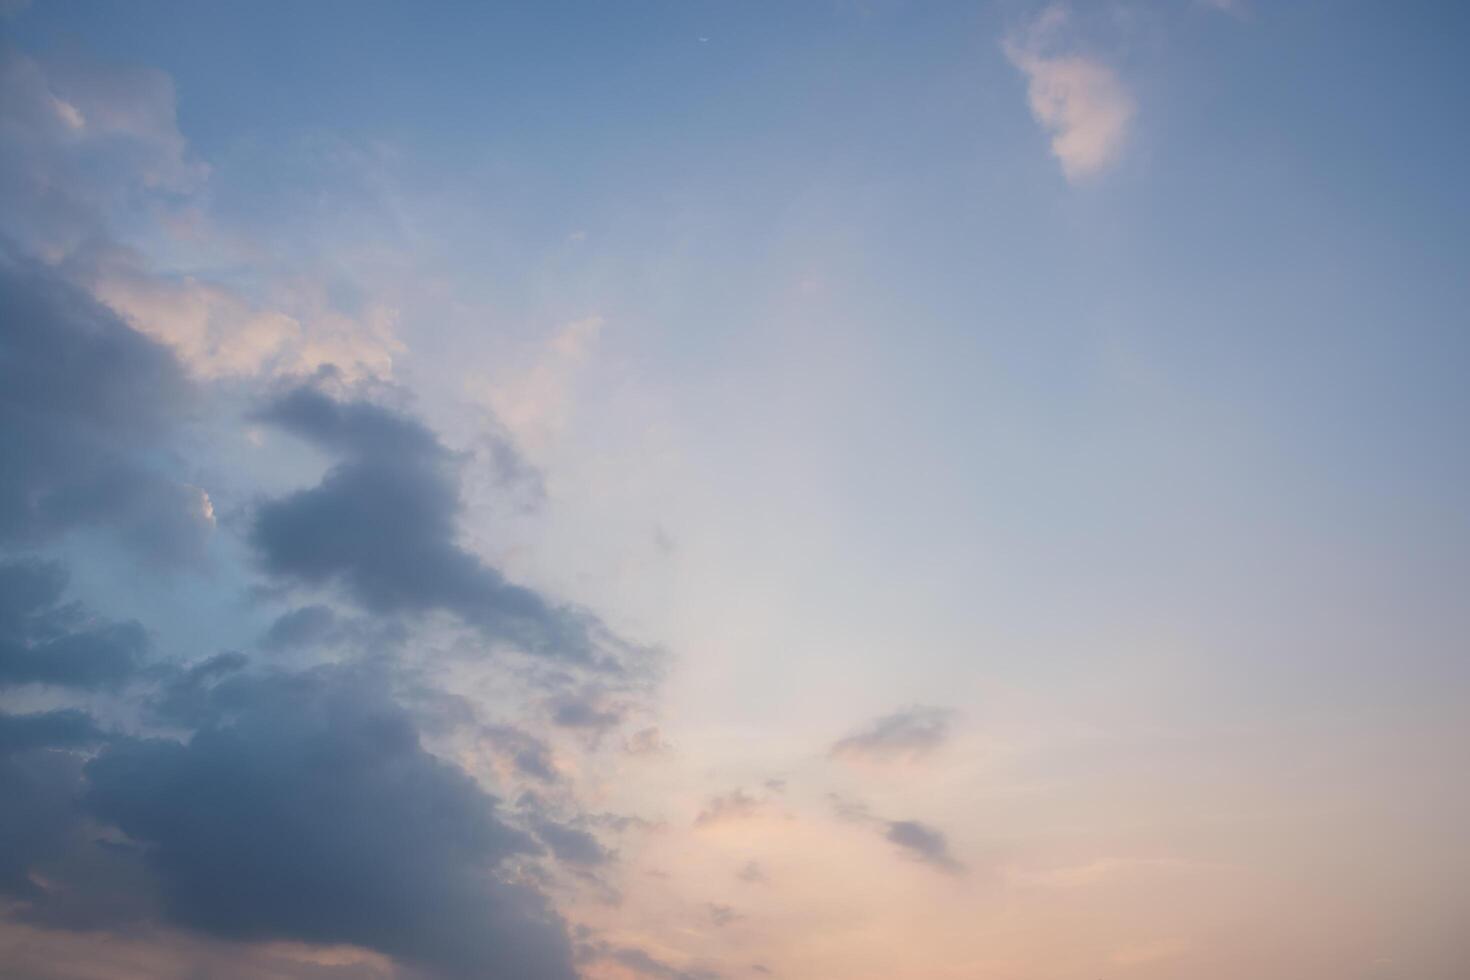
(732, 436)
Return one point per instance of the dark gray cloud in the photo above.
(45, 641)
(302, 627)
(903, 736)
(570, 844)
(304, 807)
(64, 728)
(588, 710)
(185, 696)
(383, 524)
(924, 843)
(39, 819)
(88, 407)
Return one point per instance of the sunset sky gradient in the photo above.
(834, 490)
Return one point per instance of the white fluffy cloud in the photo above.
(1077, 98)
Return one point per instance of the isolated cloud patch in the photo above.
(382, 523)
(732, 806)
(904, 736)
(915, 839)
(924, 843)
(1077, 98)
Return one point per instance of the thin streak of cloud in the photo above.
(902, 737)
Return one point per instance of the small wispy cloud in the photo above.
(735, 805)
(904, 736)
(721, 915)
(1235, 8)
(1077, 98)
(752, 874)
(923, 843)
(916, 840)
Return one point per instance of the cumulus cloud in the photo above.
(304, 807)
(283, 808)
(38, 821)
(45, 641)
(91, 147)
(588, 710)
(304, 626)
(84, 142)
(527, 754)
(87, 408)
(63, 728)
(218, 333)
(904, 736)
(382, 524)
(1077, 98)
(570, 844)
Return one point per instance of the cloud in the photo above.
(850, 811)
(38, 821)
(1078, 99)
(92, 147)
(904, 736)
(588, 710)
(721, 915)
(529, 755)
(65, 728)
(924, 843)
(639, 961)
(87, 409)
(570, 844)
(382, 524)
(86, 143)
(752, 874)
(301, 627)
(1236, 8)
(537, 403)
(732, 806)
(305, 808)
(45, 642)
(646, 741)
(916, 840)
(218, 333)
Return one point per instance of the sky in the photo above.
(683, 490)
